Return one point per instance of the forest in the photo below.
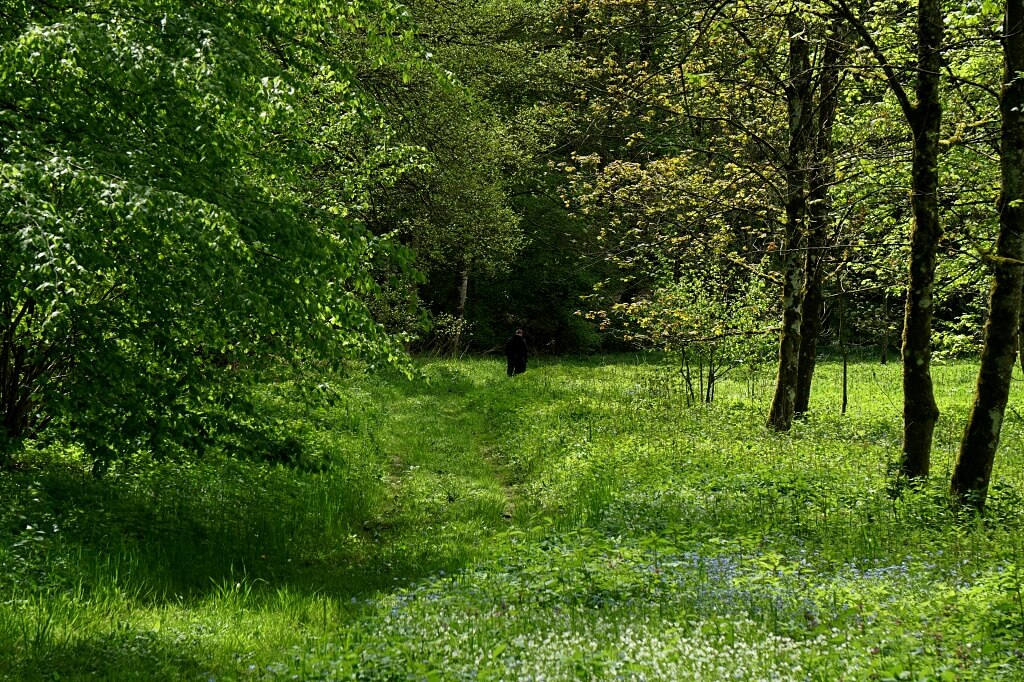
(260, 259)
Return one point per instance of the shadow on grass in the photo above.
(160, 532)
(126, 654)
(171, 541)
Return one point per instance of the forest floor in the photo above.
(583, 521)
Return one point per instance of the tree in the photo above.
(712, 319)
(821, 177)
(154, 227)
(799, 91)
(662, 166)
(924, 117)
(462, 109)
(970, 480)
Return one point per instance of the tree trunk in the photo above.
(843, 349)
(810, 330)
(973, 470)
(885, 332)
(17, 374)
(798, 103)
(919, 409)
(460, 311)
(819, 210)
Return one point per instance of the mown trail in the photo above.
(445, 485)
(652, 539)
(580, 522)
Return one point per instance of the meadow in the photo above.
(583, 521)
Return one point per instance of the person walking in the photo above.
(516, 352)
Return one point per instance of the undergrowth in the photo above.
(580, 521)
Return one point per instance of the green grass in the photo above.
(580, 521)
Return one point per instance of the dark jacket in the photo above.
(516, 352)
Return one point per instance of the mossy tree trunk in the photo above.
(969, 485)
(919, 409)
(924, 117)
(819, 209)
(798, 88)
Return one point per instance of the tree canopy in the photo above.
(157, 227)
(193, 191)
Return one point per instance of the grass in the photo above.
(580, 521)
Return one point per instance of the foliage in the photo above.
(706, 321)
(453, 208)
(155, 229)
(489, 204)
(449, 335)
(680, 125)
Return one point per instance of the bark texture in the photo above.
(810, 330)
(819, 212)
(924, 117)
(460, 311)
(919, 409)
(799, 107)
(969, 485)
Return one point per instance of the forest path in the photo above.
(443, 440)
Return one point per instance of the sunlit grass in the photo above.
(580, 521)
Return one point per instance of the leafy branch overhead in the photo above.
(156, 229)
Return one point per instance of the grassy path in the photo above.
(447, 492)
(661, 541)
(580, 522)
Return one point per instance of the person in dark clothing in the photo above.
(515, 351)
